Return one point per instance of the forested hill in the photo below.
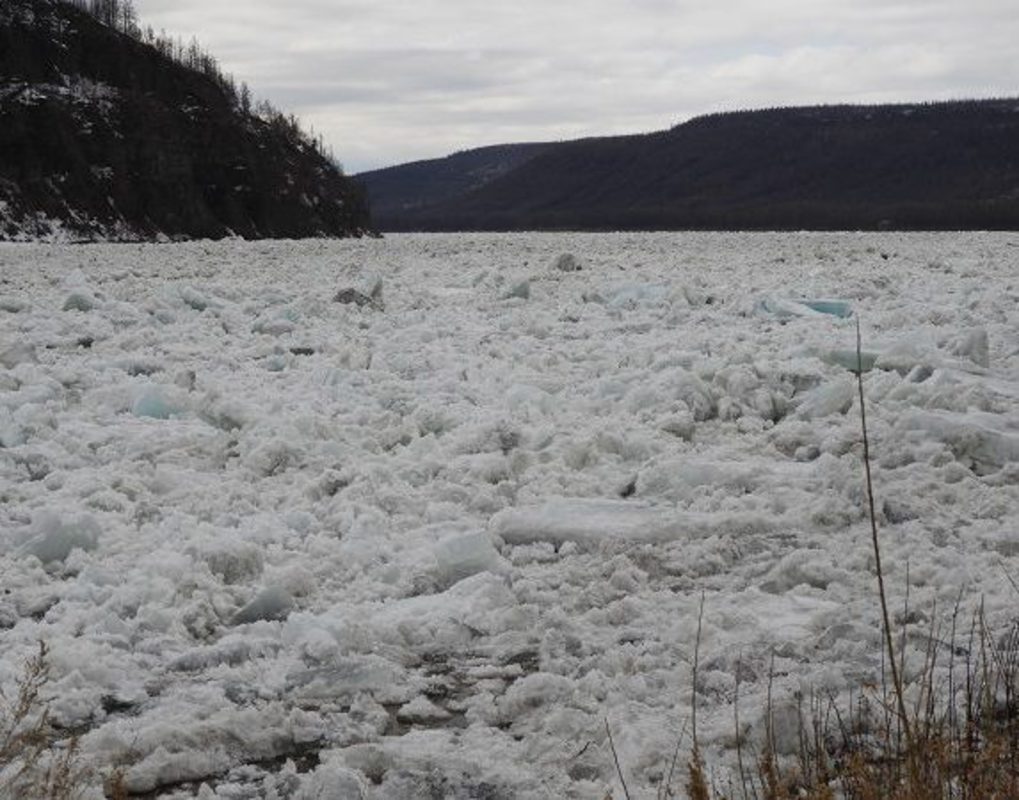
(108, 131)
(925, 166)
(412, 188)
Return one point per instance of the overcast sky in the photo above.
(388, 81)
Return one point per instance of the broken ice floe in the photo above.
(984, 440)
(422, 710)
(633, 295)
(686, 478)
(968, 351)
(230, 650)
(12, 305)
(350, 676)
(784, 308)
(80, 294)
(459, 557)
(675, 388)
(18, 353)
(53, 538)
(833, 398)
(368, 295)
(974, 345)
(566, 262)
(79, 300)
(276, 323)
(521, 290)
(431, 489)
(862, 361)
(159, 401)
(271, 603)
(836, 308)
(194, 299)
(591, 522)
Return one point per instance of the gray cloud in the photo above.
(394, 80)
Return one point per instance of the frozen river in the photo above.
(424, 546)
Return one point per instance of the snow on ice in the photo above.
(283, 543)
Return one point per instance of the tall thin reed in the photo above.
(697, 786)
(615, 757)
(889, 643)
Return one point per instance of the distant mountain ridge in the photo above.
(418, 185)
(912, 166)
(105, 135)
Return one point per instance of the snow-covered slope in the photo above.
(424, 546)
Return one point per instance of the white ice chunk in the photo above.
(11, 433)
(273, 602)
(984, 439)
(909, 352)
(520, 290)
(580, 520)
(835, 308)
(18, 353)
(834, 398)
(540, 690)
(666, 391)
(974, 345)
(193, 298)
(632, 295)
(685, 478)
(372, 286)
(804, 567)
(590, 522)
(347, 677)
(680, 425)
(233, 650)
(527, 399)
(80, 300)
(271, 457)
(80, 295)
(12, 305)
(228, 556)
(275, 323)
(785, 309)
(850, 360)
(225, 413)
(459, 557)
(566, 262)
(163, 767)
(54, 538)
(332, 781)
(158, 402)
(481, 602)
(422, 710)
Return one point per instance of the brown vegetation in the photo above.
(34, 761)
(953, 734)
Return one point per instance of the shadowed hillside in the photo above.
(109, 132)
(936, 166)
(412, 188)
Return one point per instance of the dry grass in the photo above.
(953, 734)
(34, 762)
(963, 744)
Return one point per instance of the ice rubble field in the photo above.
(282, 546)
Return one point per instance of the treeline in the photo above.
(121, 16)
(847, 111)
(783, 216)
